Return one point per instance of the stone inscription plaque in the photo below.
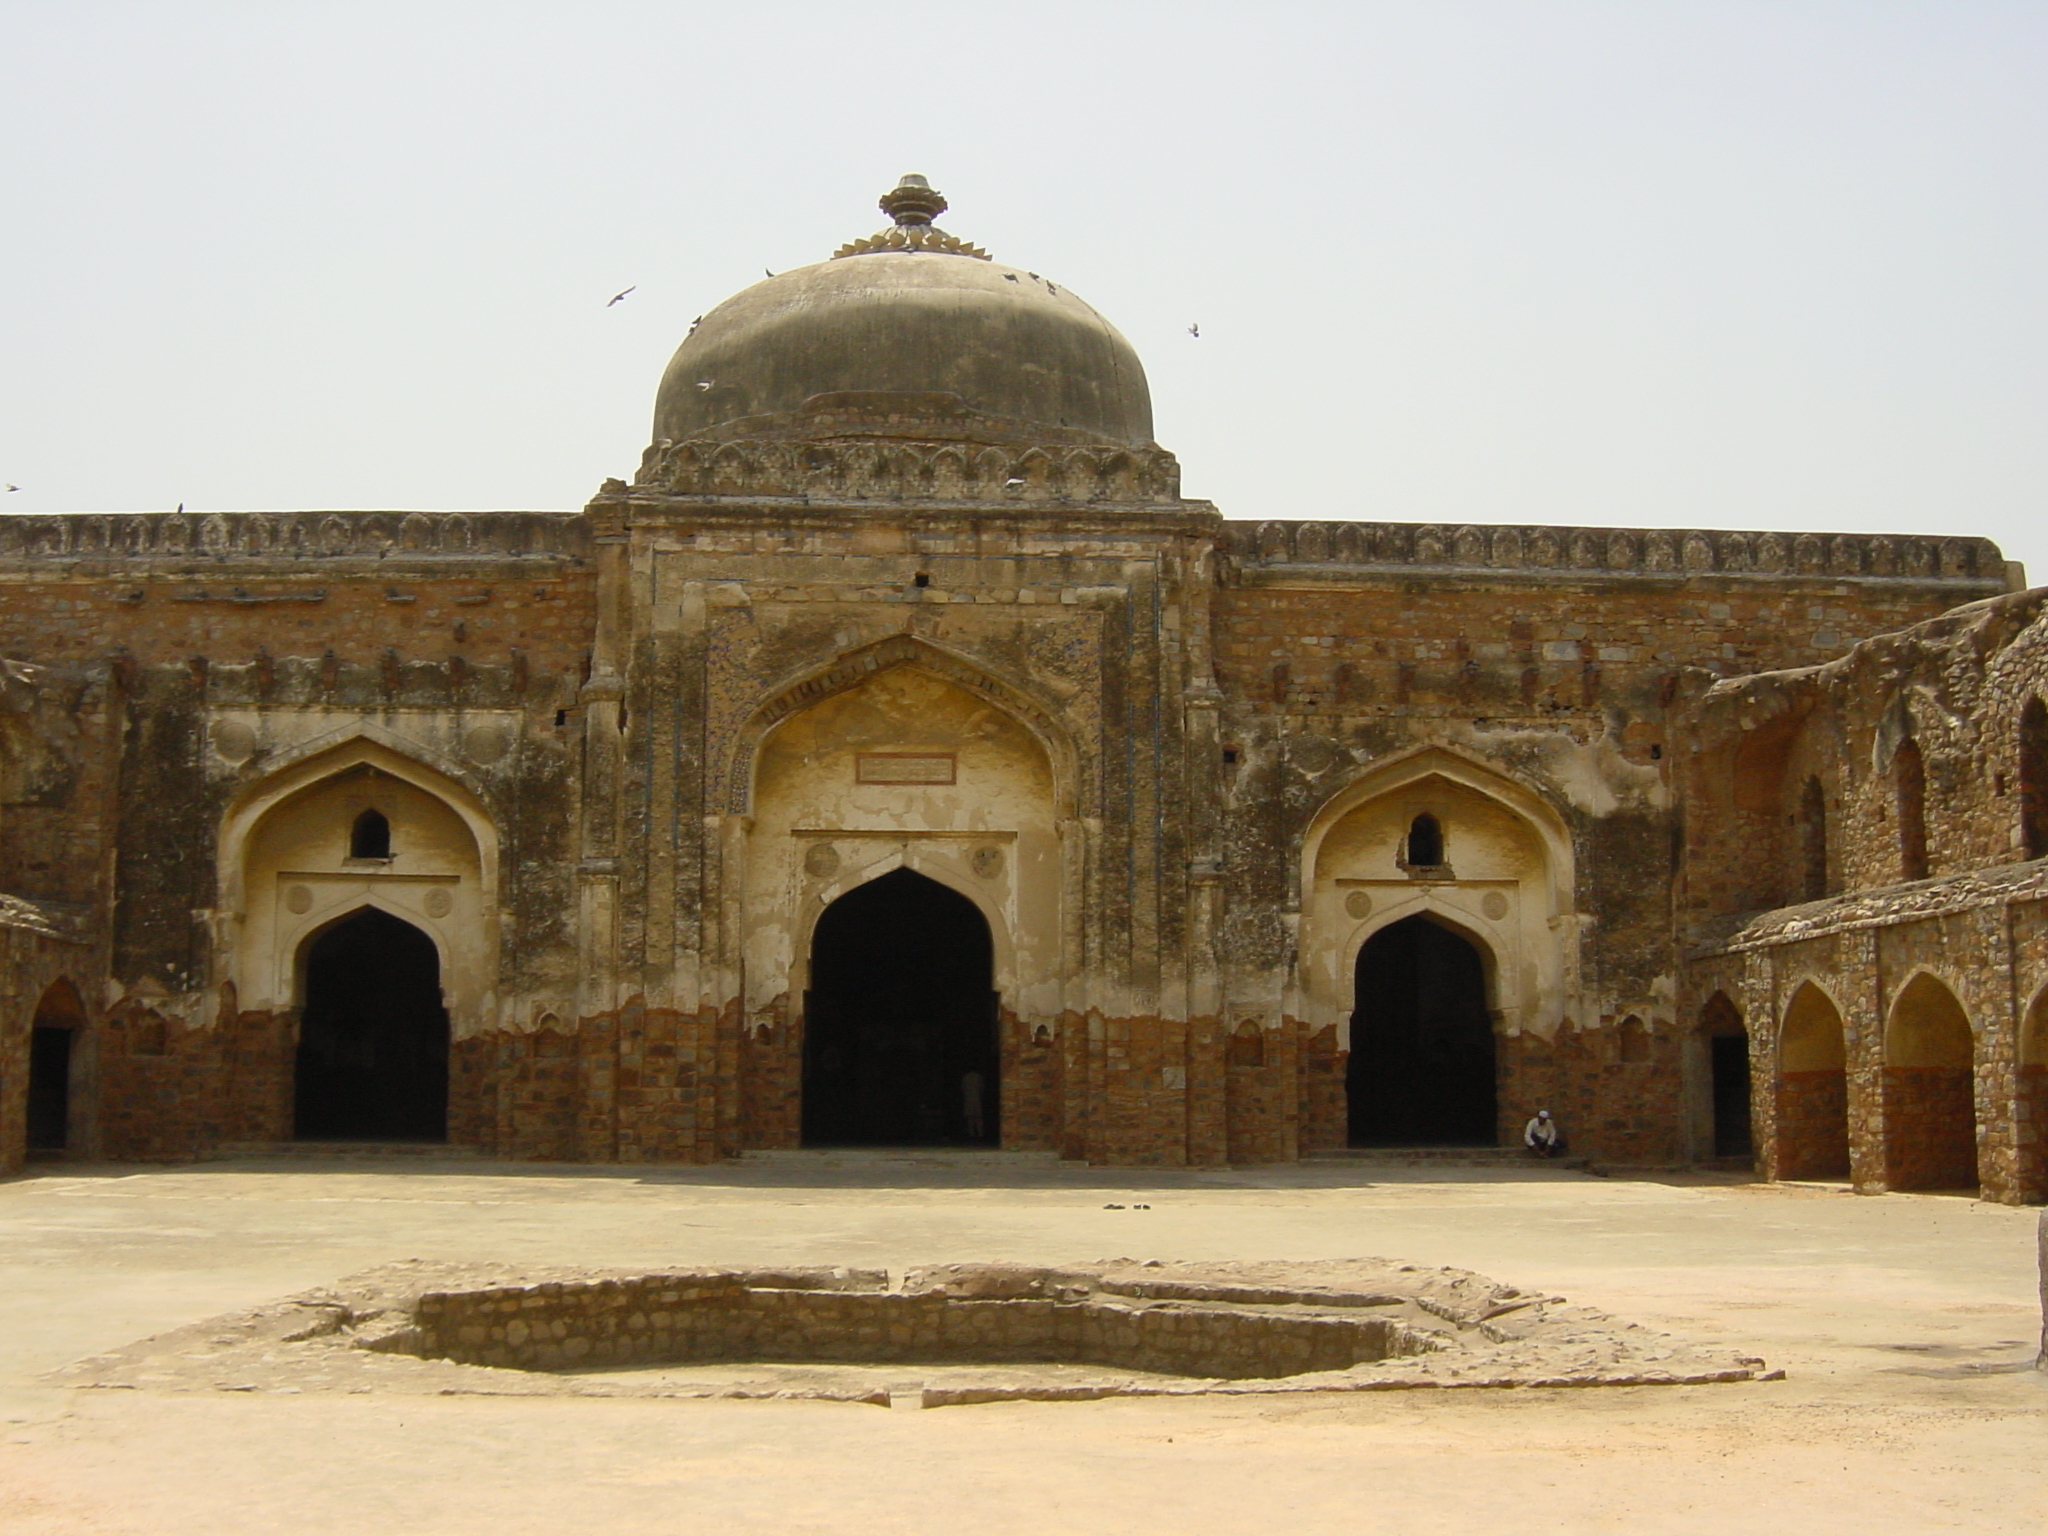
(904, 768)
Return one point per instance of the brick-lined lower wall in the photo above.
(1930, 1133)
(1813, 1126)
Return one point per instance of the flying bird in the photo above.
(14, 487)
(1194, 330)
(618, 296)
(696, 322)
(703, 383)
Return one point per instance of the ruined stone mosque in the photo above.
(899, 759)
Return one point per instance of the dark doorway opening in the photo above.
(1422, 1070)
(1731, 1095)
(49, 1088)
(900, 1020)
(373, 1036)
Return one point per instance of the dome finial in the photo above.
(913, 205)
(912, 201)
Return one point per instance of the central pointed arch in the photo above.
(903, 758)
(900, 1019)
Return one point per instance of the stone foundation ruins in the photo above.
(948, 1334)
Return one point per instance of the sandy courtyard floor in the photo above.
(1906, 1324)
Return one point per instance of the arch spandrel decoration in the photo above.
(287, 870)
(1072, 774)
(1506, 883)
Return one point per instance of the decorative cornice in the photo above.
(893, 469)
(1630, 551)
(295, 536)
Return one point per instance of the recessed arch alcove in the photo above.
(1503, 887)
(1930, 1121)
(904, 773)
(289, 866)
(1812, 1088)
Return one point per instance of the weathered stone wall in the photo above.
(1968, 940)
(1161, 718)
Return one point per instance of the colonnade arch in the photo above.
(1930, 1122)
(1718, 1063)
(1812, 1089)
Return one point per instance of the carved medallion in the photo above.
(234, 741)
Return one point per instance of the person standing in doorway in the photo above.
(971, 1088)
(1541, 1135)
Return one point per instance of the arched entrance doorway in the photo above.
(373, 1034)
(53, 1037)
(900, 1019)
(1727, 1045)
(1421, 1071)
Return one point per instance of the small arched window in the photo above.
(1425, 840)
(2034, 779)
(1909, 784)
(370, 837)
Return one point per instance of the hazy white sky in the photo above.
(1649, 262)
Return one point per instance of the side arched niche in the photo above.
(905, 767)
(1501, 880)
(289, 870)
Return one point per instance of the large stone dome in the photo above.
(912, 311)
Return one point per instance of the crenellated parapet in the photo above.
(1621, 551)
(891, 469)
(272, 536)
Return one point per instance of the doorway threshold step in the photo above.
(1441, 1157)
(236, 1150)
(963, 1156)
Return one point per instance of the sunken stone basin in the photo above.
(957, 1333)
(1129, 1321)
